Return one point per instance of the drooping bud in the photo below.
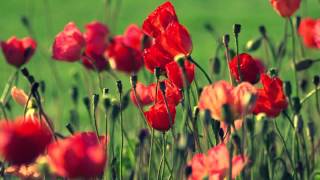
(157, 72)
(74, 94)
(227, 114)
(70, 128)
(142, 135)
(303, 84)
(311, 130)
(216, 65)
(250, 125)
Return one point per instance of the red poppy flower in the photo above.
(159, 19)
(122, 57)
(213, 97)
(143, 93)
(317, 33)
(158, 117)
(133, 37)
(175, 40)
(68, 44)
(17, 52)
(172, 93)
(250, 68)
(271, 99)
(215, 165)
(175, 74)
(23, 140)
(81, 155)
(155, 56)
(285, 8)
(307, 32)
(96, 37)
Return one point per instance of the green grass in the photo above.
(48, 17)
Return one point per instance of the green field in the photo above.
(48, 17)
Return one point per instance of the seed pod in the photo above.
(225, 40)
(236, 29)
(316, 80)
(262, 30)
(216, 65)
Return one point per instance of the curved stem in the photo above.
(294, 56)
(311, 93)
(201, 69)
(150, 154)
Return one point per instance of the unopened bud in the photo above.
(188, 171)
(95, 101)
(25, 21)
(74, 94)
(143, 134)
(227, 114)
(133, 80)
(303, 84)
(296, 104)
(316, 80)
(119, 86)
(311, 130)
(250, 125)
(216, 65)
(157, 72)
(225, 40)
(263, 30)
(298, 123)
(86, 102)
(236, 29)
(287, 88)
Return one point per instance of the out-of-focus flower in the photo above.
(19, 96)
(23, 140)
(173, 94)
(159, 118)
(157, 22)
(96, 37)
(307, 32)
(239, 100)
(18, 52)
(155, 56)
(175, 74)
(317, 33)
(143, 93)
(176, 40)
(285, 8)
(250, 68)
(133, 37)
(81, 155)
(215, 165)
(123, 58)
(68, 44)
(25, 172)
(271, 99)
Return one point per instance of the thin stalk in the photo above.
(121, 126)
(238, 58)
(227, 64)
(311, 93)
(294, 56)
(162, 158)
(150, 156)
(201, 69)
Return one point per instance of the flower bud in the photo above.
(250, 125)
(303, 84)
(236, 29)
(119, 86)
(188, 171)
(133, 80)
(42, 86)
(287, 88)
(263, 30)
(227, 114)
(86, 102)
(142, 135)
(311, 130)
(216, 65)
(74, 94)
(316, 80)
(208, 27)
(25, 21)
(253, 44)
(95, 101)
(225, 40)
(157, 72)
(298, 123)
(236, 140)
(296, 105)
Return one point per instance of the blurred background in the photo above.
(48, 17)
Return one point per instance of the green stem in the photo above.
(294, 56)
(150, 156)
(162, 158)
(311, 93)
(121, 126)
(201, 69)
